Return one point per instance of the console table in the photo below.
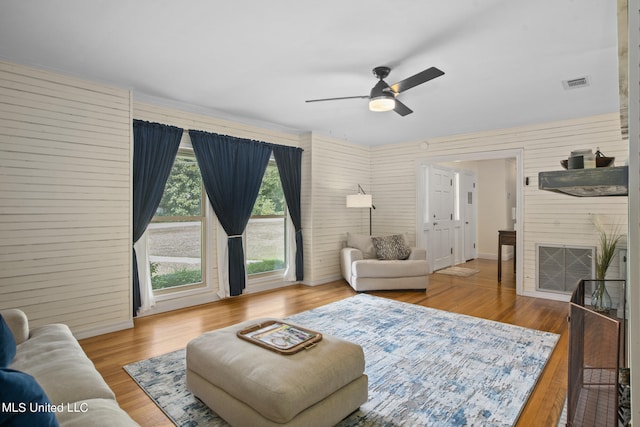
(506, 237)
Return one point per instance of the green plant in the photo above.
(607, 250)
(265, 265)
(153, 268)
(177, 278)
(270, 199)
(183, 191)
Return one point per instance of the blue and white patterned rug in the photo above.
(426, 367)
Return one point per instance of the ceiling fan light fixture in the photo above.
(382, 103)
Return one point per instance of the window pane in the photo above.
(270, 199)
(266, 231)
(175, 253)
(183, 192)
(265, 245)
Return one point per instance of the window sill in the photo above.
(181, 293)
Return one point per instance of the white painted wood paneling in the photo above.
(547, 217)
(65, 200)
(333, 170)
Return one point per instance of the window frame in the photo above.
(278, 273)
(186, 150)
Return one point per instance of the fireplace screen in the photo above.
(594, 361)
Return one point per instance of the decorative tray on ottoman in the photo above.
(280, 337)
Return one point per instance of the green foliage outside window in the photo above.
(183, 198)
(270, 199)
(180, 277)
(183, 192)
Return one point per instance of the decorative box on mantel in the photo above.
(592, 182)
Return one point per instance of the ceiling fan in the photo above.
(383, 96)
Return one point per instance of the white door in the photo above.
(440, 216)
(468, 207)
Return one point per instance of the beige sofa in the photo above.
(55, 359)
(364, 271)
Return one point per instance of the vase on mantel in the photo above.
(600, 298)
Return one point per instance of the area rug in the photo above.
(458, 271)
(426, 367)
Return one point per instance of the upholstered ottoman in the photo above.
(248, 385)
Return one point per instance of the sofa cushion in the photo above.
(29, 405)
(391, 247)
(18, 324)
(55, 359)
(7, 344)
(363, 243)
(390, 268)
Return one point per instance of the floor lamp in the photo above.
(361, 200)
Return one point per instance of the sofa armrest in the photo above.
(418, 253)
(18, 324)
(347, 257)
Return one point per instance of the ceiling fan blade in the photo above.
(402, 109)
(339, 98)
(417, 79)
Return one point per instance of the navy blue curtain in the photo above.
(289, 161)
(232, 170)
(155, 147)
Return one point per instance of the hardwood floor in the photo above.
(479, 295)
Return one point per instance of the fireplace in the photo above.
(597, 350)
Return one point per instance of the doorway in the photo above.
(466, 234)
(450, 231)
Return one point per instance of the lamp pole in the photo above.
(361, 190)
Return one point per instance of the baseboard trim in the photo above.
(547, 295)
(88, 333)
(321, 281)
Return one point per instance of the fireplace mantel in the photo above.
(592, 182)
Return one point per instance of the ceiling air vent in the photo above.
(576, 83)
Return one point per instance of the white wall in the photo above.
(495, 189)
(547, 217)
(333, 170)
(65, 195)
(65, 200)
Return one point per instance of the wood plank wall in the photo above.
(65, 203)
(65, 194)
(334, 169)
(548, 217)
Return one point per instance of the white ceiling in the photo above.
(257, 61)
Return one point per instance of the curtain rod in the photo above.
(204, 131)
(239, 137)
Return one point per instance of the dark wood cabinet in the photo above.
(506, 237)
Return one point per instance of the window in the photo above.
(176, 249)
(266, 230)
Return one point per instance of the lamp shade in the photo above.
(359, 201)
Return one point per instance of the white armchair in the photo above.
(364, 271)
